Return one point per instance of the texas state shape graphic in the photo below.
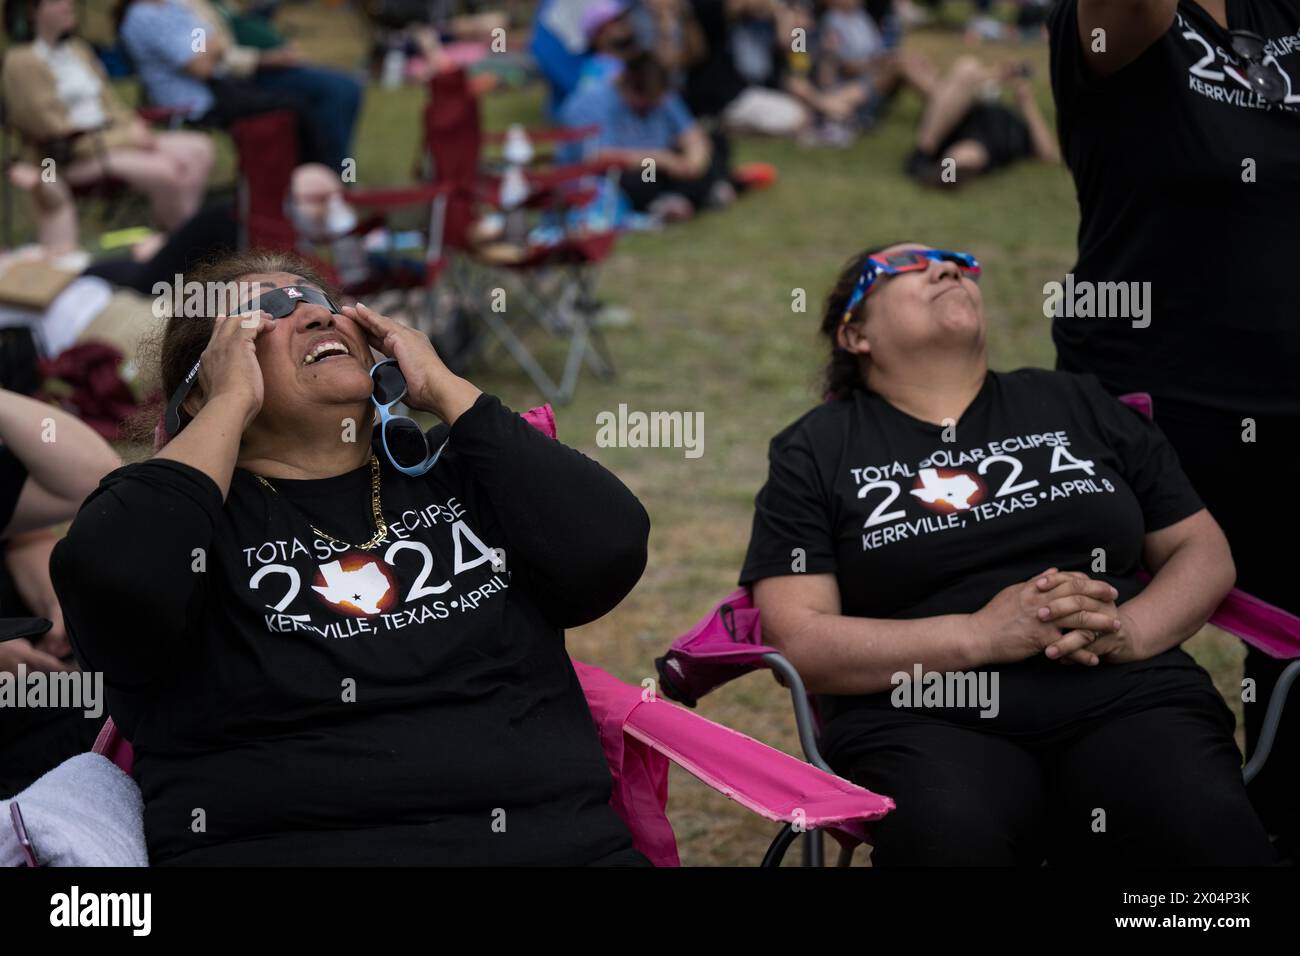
(362, 587)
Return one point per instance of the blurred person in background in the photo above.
(736, 62)
(854, 75)
(611, 41)
(58, 98)
(966, 123)
(672, 169)
(223, 82)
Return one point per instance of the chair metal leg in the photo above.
(565, 321)
(553, 392)
(776, 851)
(1272, 718)
(813, 850)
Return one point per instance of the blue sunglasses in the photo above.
(914, 260)
(403, 440)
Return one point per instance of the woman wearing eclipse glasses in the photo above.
(1180, 121)
(949, 556)
(341, 638)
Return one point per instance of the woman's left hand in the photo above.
(430, 385)
(1120, 646)
(1123, 646)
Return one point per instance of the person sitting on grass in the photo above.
(966, 131)
(736, 57)
(854, 76)
(951, 556)
(671, 167)
(339, 635)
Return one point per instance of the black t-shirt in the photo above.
(321, 704)
(714, 82)
(1045, 469)
(1159, 152)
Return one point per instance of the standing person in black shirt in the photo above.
(1180, 121)
(322, 657)
(973, 539)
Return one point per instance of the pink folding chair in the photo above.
(640, 733)
(728, 643)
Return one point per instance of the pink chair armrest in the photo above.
(760, 778)
(1262, 625)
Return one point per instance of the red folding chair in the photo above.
(267, 149)
(727, 643)
(548, 285)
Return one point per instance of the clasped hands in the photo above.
(1065, 615)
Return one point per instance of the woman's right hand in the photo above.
(229, 370)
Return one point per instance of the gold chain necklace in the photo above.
(377, 507)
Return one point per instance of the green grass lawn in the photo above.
(714, 332)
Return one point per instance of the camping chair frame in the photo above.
(566, 313)
(452, 153)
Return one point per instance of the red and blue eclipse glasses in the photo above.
(895, 263)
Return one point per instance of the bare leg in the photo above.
(904, 68)
(837, 104)
(841, 102)
(194, 153)
(154, 173)
(56, 214)
(952, 100)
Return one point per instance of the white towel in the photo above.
(84, 812)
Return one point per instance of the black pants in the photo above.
(629, 856)
(209, 233)
(641, 194)
(1229, 473)
(1158, 786)
(234, 100)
